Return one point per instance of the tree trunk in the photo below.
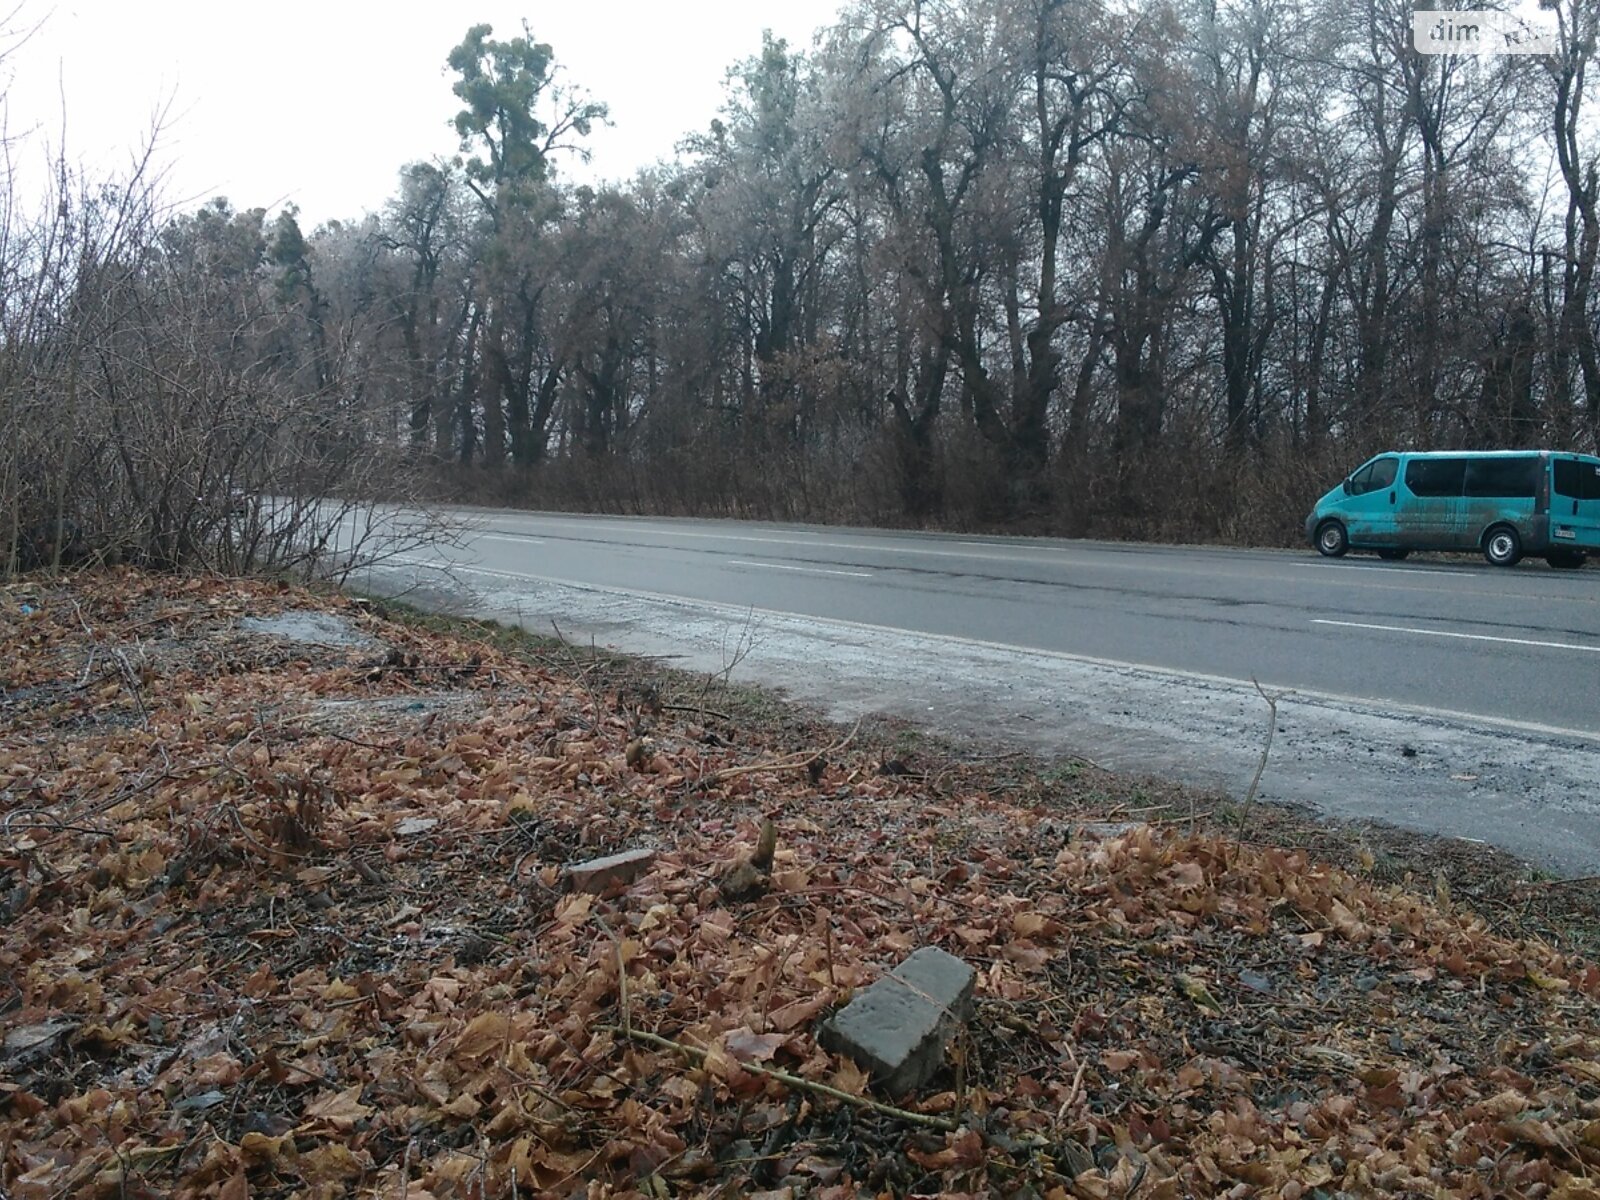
(466, 402)
(495, 372)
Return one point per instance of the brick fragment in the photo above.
(898, 1028)
(614, 870)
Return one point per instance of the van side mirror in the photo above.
(1346, 487)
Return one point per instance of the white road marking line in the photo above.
(1375, 567)
(789, 541)
(1466, 637)
(736, 612)
(1009, 553)
(742, 562)
(999, 553)
(503, 537)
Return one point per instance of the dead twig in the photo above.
(622, 973)
(794, 1081)
(1076, 1088)
(392, 747)
(581, 673)
(743, 645)
(788, 762)
(1558, 883)
(130, 680)
(46, 821)
(1261, 767)
(963, 1044)
(698, 710)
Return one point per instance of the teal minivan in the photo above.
(1505, 503)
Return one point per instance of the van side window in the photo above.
(1566, 478)
(1577, 480)
(1374, 476)
(1436, 476)
(1505, 477)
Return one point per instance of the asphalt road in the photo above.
(1470, 695)
(1455, 635)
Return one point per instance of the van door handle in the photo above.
(1574, 508)
(1391, 497)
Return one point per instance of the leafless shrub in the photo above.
(172, 395)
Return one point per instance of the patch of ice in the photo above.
(309, 628)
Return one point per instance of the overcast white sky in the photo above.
(319, 104)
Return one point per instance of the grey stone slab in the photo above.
(614, 870)
(898, 1028)
(29, 1043)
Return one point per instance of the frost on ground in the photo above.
(1533, 794)
(250, 950)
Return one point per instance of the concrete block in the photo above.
(898, 1028)
(614, 870)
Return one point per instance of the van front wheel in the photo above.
(1332, 541)
(1502, 547)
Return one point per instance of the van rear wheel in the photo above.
(1502, 546)
(1565, 560)
(1393, 555)
(1332, 540)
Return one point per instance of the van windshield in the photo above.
(1375, 476)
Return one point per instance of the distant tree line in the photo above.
(1145, 268)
